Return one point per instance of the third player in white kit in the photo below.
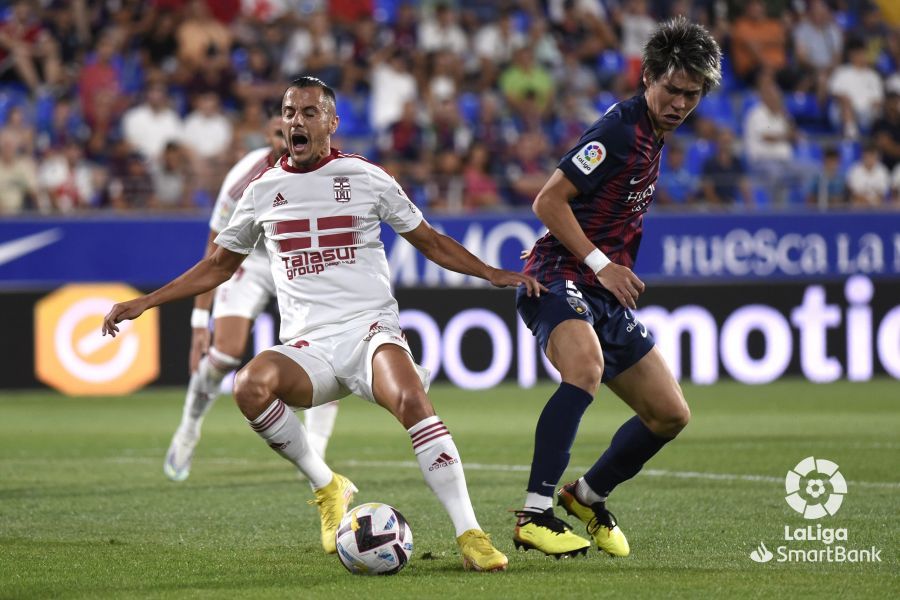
(238, 302)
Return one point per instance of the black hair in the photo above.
(679, 45)
(308, 81)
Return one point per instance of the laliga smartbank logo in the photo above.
(815, 489)
(71, 355)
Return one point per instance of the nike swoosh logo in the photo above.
(547, 484)
(13, 249)
(636, 181)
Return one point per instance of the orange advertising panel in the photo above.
(71, 355)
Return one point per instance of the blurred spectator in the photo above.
(313, 51)
(149, 126)
(207, 130)
(258, 82)
(818, 40)
(444, 80)
(527, 170)
(28, 53)
(724, 179)
(201, 39)
(525, 80)
(20, 130)
(895, 184)
(637, 26)
(248, 131)
(676, 184)
(101, 92)
(493, 128)
(160, 46)
(886, 131)
(130, 185)
(541, 40)
(830, 187)
(67, 24)
(404, 139)
(481, 191)
(857, 90)
(445, 186)
(403, 35)
(69, 180)
(868, 180)
(581, 28)
(392, 86)
(18, 179)
(757, 41)
(769, 137)
(441, 31)
(494, 44)
(447, 130)
(171, 179)
(360, 55)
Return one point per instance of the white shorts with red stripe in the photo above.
(341, 364)
(248, 291)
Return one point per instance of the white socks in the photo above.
(203, 389)
(282, 430)
(441, 465)
(537, 503)
(586, 495)
(319, 422)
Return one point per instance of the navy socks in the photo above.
(632, 446)
(554, 435)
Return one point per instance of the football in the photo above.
(374, 539)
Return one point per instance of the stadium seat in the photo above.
(807, 150)
(604, 101)
(717, 107)
(761, 197)
(697, 154)
(10, 96)
(469, 107)
(850, 152)
(43, 111)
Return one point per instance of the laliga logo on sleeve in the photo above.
(589, 157)
(813, 500)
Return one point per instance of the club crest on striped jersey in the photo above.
(589, 157)
(341, 187)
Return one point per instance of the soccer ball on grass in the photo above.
(374, 539)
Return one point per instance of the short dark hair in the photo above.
(307, 81)
(679, 45)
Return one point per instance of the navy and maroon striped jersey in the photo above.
(614, 166)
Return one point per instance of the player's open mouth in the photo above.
(672, 119)
(299, 142)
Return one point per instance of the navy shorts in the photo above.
(623, 339)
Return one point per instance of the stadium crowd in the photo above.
(145, 104)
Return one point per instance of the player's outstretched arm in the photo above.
(450, 254)
(552, 207)
(204, 276)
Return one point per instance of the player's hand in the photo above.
(123, 311)
(503, 278)
(622, 283)
(199, 346)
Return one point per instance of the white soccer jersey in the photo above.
(236, 181)
(321, 228)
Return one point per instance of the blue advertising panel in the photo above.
(689, 248)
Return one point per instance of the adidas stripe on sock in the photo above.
(442, 468)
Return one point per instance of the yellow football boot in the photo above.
(552, 536)
(601, 523)
(332, 502)
(479, 553)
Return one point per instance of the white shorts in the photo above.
(248, 291)
(342, 364)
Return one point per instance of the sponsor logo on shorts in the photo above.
(376, 328)
(577, 304)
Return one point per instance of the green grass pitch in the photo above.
(85, 511)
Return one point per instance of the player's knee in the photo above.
(586, 375)
(253, 387)
(671, 422)
(413, 406)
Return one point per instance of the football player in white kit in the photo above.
(238, 302)
(319, 214)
